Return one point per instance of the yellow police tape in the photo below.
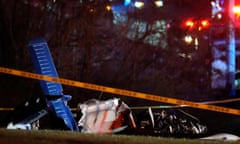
(6, 109)
(117, 91)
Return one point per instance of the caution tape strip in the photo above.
(6, 109)
(179, 106)
(157, 106)
(118, 91)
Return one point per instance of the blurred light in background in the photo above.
(158, 3)
(127, 2)
(139, 4)
(108, 7)
(188, 39)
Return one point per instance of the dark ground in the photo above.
(63, 137)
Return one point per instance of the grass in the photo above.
(68, 137)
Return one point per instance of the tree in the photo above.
(139, 53)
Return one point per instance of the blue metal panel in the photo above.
(56, 100)
(34, 117)
(63, 111)
(43, 64)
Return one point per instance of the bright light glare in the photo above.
(219, 16)
(158, 3)
(108, 7)
(189, 23)
(188, 39)
(205, 23)
(139, 4)
(236, 10)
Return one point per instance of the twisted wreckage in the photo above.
(100, 117)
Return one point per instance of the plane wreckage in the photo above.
(110, 116)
